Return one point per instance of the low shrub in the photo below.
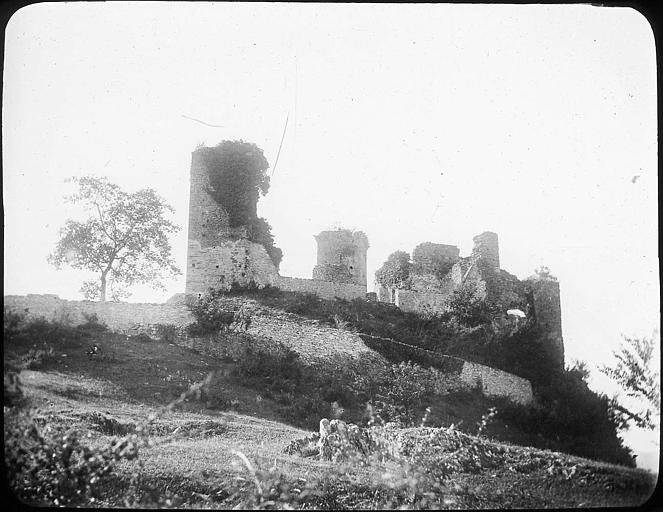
(210, 314)
(167, 333)
(92, 325)
(572, 418)
(141, 337)
(56, 470)
(108, 425)
(306, 392)
(213, 394)
(41, 336)
(468, 307)
(46, 468)
(35, 358)
(302, 303)
(11, 324)
(406, 390)
(279, 372)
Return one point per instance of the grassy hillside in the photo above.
(113, 399)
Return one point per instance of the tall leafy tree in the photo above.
(124, 240)
(395, 272)
(634, 373)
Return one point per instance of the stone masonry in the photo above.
(341, 256)
(219, 256)
(429, 293)
(268, 330)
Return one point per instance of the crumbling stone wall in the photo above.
(232, 261)
(455, 374)
(486, 249)
(125, 317)
(323, 289)
(497, 383)
(429, 292)
(269, 331)
(434, 259)
(410, 300)
(219, 256)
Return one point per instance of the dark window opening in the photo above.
(193, 265)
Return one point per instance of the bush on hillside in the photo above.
(54, 470)
(38, 338)
(408, 386)
(210, 314)
(167, 333)
(574, 418)
(468, 307)
(279, 372)
(11, 324)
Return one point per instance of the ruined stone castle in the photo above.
(219, 256)
(536, 298)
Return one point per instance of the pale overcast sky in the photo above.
(412, 123)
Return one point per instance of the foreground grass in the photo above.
(192, 457)
(193, 462)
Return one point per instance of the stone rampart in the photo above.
(270, 331)
(454, 374)
(323, 289)
(497, 383)
(123, 317)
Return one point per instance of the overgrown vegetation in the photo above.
(306, 393)
(64, 447)
(38, 337)
(405, 390)
(468, 329)
(237, 172)
(637, 378)
(395, 272)
(464, 331)
(572, 418)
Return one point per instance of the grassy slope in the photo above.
(192, 455)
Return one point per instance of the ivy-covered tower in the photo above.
(219, 255)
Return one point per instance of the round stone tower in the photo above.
(341, 256)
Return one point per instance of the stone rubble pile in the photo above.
(338, 441)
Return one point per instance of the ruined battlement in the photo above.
(439, 271)
(220, 255)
